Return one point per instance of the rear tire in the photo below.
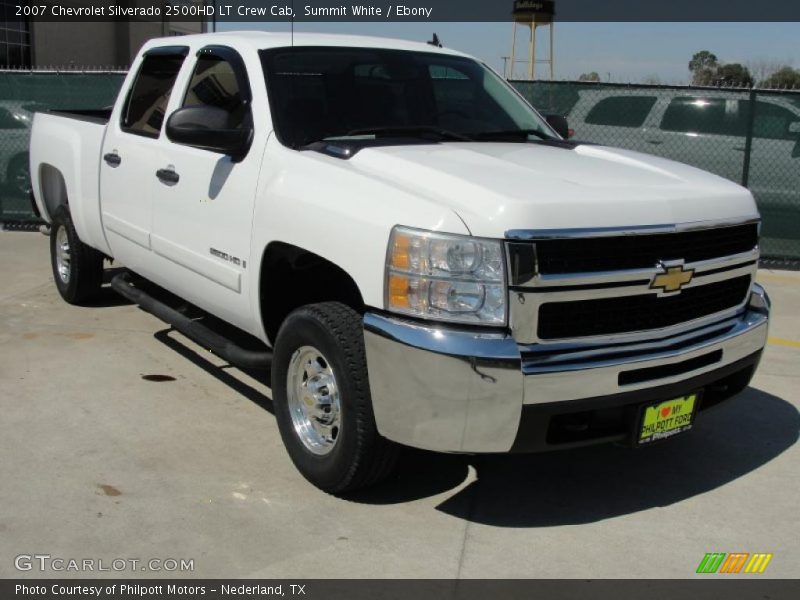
(322, 400)
(77, 268)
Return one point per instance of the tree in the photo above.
(733, 74)
(785, 77)
(761, 69)
(593, 76)
(703, 67)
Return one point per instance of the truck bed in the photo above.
(65, 150)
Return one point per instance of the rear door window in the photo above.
(147, 101)
(621, 111)
(714, 116)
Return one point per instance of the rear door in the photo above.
(129, 154)
(203, 212)
(704, 131)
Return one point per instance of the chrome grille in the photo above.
(606, 316)
(608, 304)
(585, 255)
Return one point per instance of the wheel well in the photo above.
(54, 189)
(292, 277)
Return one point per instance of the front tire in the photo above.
(77, 268)
(322, 401)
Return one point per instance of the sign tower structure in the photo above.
(533, 14)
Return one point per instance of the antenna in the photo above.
(435, 41)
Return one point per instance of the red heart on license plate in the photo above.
(666, 411)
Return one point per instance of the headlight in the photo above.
(446, 277)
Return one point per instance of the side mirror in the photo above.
(209, 128)
(559, 123)
(794, 127)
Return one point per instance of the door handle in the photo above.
(739, 148)
(654, 142)
(167, 176)
(113, 159)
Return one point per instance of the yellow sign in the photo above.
(667, 419)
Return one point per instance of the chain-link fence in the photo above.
(749, 136)
(23, 93)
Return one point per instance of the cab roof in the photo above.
(261, 40)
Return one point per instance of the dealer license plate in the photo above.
(665, 419)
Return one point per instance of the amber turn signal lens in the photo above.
(398, 291)
(400, 249)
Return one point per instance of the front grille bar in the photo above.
(620, 302)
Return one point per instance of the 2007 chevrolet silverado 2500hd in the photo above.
(426, 260)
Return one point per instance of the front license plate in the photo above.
(665, 419)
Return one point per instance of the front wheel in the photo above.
(77, 268)
(322, 400)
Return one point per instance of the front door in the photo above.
(203, 201)
(774, 175)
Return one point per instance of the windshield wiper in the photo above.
(424, 131)
(504, 134)
(411, 131)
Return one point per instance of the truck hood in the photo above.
(497, 187)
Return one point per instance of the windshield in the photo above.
(322, 93)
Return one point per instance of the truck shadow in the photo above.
(592, 484)
(219, 373)
(559, 488)
(108, 298)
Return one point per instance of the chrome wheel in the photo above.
(63, 256)
(313, 400)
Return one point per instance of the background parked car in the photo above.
(747, 136)
(15, 121)
(709, 130)
(22, 94)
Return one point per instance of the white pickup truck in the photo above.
(426, 259)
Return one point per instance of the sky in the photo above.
(620, 52)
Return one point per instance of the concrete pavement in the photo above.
(119, 439)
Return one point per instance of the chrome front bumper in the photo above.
(464, 390)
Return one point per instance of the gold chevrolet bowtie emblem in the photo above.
(672, 279)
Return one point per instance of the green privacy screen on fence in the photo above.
(748, 136)
(21, 95)
(751, 137)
